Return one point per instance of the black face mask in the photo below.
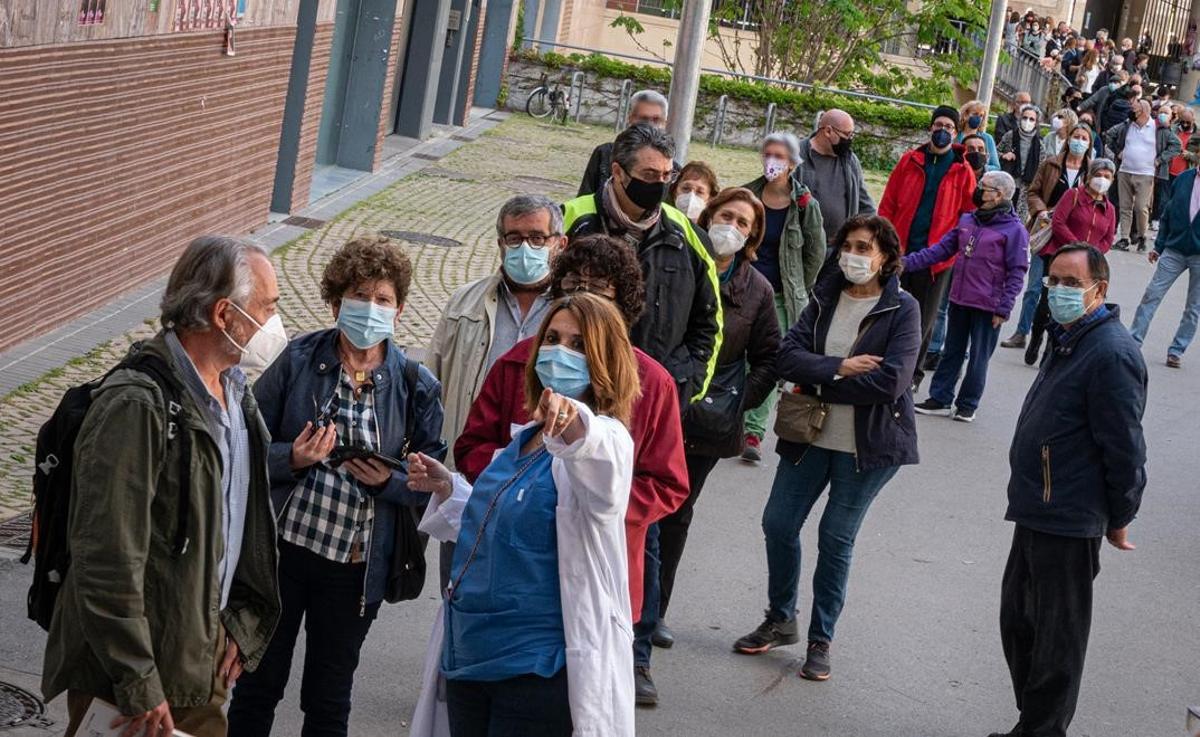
(977, 198)
(842, 147)
(977, 160)
(1185, 126)
(646, 195)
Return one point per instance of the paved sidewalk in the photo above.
(455, 197)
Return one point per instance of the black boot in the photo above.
(1033, 347)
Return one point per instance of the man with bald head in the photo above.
(833, 173)
(1008, 121)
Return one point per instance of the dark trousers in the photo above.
(325, 595)
(1045, 617)
(966, 326)
(514, 707)
(928, 290)
(673, 529)
(1041, 316)
(644, 629)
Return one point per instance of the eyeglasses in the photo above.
(844, 135)
(573, 282)
(945, 127)
(536, 240)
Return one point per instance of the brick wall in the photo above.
(114, 154)
(310, 126)
(474, 67)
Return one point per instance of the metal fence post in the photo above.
(769, 124)
(576, 97)
(623, 105)
(719, 121)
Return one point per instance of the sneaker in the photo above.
(1017, 340)
(770, 634)
(752, 453)
(816, 665)
(1122, 245)
(932, 406)
(662, 636)
(1141, 245)
(1174, 361)
(645, 692)
(964, 415)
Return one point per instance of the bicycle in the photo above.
(549, 100)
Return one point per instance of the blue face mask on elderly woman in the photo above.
(366, 324)
(563, 370)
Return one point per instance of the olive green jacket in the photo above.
(134, 624)
(801, 248)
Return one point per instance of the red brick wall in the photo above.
(114, 154)
(310, 126)
(466, 116)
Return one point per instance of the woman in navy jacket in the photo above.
(856, 347)
(349, 385)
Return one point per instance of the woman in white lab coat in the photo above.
(534, 635)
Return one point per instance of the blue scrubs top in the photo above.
(505, 619)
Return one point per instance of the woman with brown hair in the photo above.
(533, 636)
(692, 189)
(713, 428)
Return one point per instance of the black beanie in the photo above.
(945, 111)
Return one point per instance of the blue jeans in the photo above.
(797, 487)
(967, 325)
(650, 601)
(1171, 264)
(1033, 293)
(938, 341)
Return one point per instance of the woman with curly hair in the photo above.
(345, 387)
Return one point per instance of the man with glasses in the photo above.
(930, 188)
(1078, 469)
(682, 327)
(833, 173)
(599, 265)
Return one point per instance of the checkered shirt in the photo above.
(329, 510)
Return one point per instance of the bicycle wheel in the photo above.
(562, 109)
(538, 104)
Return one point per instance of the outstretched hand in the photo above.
(426, 475)
(559, 417)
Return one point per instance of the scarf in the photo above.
(985, 216)
(617, 216)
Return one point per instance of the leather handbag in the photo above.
(800, 417)
(717, 418)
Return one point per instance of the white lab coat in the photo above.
(593, 476)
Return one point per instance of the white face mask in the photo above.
(1028, 125)
(1100, 184)
(264, 346)
(773, 166)
(690, 204)
(1056, 124)
(726, 239)
(858, 269)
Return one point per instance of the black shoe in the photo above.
(964, 415)
(1141, 245)
(816, 665)
(662, 636)
(932, 406)
(645, 693)
(931, 361)
(770, 634)
(1016, 340)
(1032, 350)
(1122, 245)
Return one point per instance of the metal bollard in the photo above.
(719, 120)
(623, 105)
(769, 123)
(576, 97)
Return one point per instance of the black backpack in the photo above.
(406, 577)
(54, 462)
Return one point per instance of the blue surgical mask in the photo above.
(366, 324)
(563, 370)
(525, 264)
(1078, 147)
(1066, 303)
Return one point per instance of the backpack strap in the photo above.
(172, 390)
(411, 377)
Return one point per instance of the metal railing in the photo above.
(789, 83)
(1023, 72)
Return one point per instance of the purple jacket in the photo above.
(993, 259)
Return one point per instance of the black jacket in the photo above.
(599, 169)
(751, 336)
(681, 326)
(885, 429)
(1004, 123)
(1078, 458)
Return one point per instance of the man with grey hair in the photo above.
(172, 588)
(645, 106)
(833, 172)
(1143, 150)
(993, 249)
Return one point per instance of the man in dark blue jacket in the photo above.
(1078, 470)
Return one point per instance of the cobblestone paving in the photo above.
(458, 199)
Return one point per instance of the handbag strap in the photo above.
(487, 516)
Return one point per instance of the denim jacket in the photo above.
(309, 368)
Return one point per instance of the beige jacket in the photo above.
(459, 350)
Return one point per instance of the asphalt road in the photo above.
(917, 651)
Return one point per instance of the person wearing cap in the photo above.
(1082, 214)
(928, 191)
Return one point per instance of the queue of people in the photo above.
(569, 412)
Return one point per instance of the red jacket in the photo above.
(902, 195)
(660, 480)
(1080, 218)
